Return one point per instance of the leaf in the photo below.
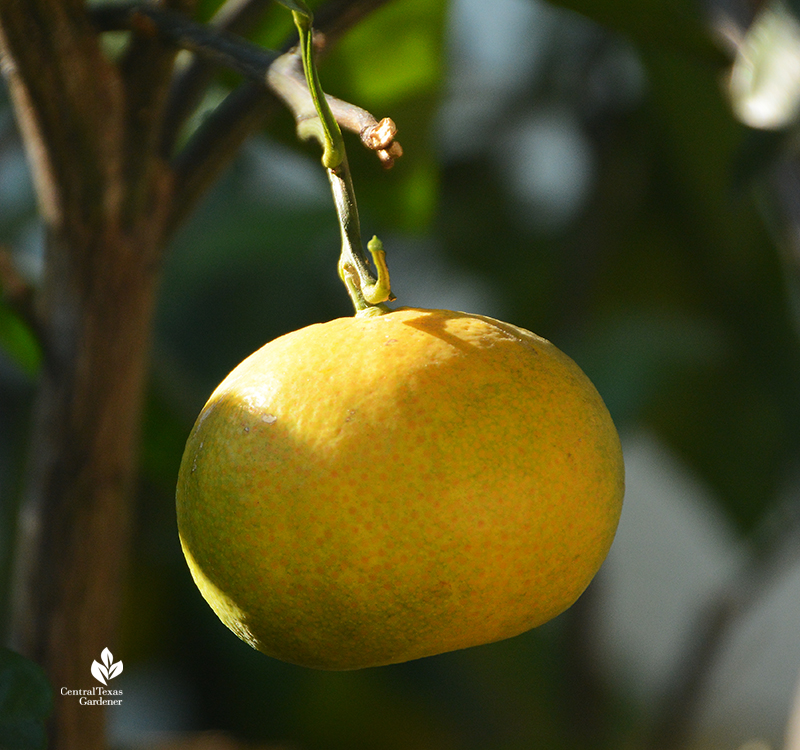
(110, 670)
(26, 700)
(99, 672)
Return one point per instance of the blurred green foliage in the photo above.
(664, 282)
(18, 342)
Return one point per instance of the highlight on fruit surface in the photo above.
(391, 486)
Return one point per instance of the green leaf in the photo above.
(18, 341)
(26, 700)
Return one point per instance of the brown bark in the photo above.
(73, 534)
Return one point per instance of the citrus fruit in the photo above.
(381, 488)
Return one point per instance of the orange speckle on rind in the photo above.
(458, 487)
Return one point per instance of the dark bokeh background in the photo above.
(588, 182)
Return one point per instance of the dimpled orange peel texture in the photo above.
(381, 488)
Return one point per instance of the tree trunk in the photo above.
(73, 535)
(89, 126)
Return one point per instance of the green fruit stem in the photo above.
(331, 136)
(366, 292)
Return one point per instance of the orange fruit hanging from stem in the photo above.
(395, 485)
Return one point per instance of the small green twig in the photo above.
(330, 135)
(366, 292)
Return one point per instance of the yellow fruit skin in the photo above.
(377, 489)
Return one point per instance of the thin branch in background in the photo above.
(146, 70)
(215, 45)
(246, 108)
(214, 144)
(189, 85)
